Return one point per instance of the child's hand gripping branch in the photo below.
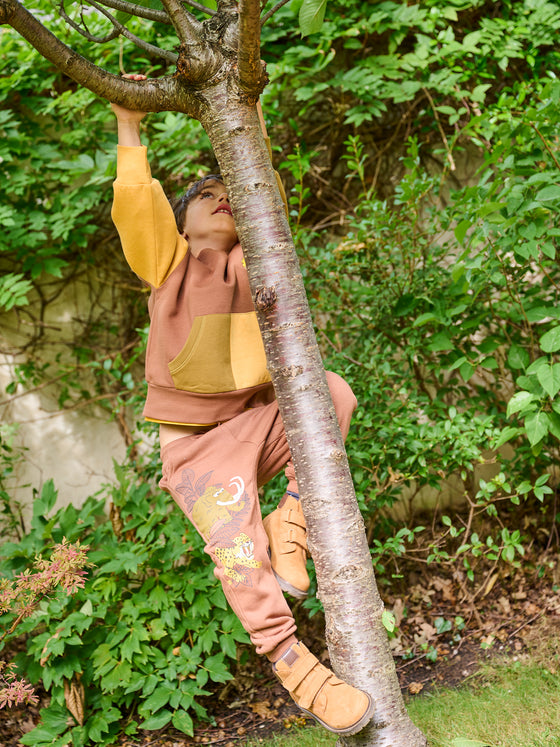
(128, 120)
(221, 433)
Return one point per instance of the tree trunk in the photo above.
(357, 640)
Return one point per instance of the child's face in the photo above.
(209, 216)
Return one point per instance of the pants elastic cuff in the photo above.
(281, 648)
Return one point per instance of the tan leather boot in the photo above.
(287, 537)
(337, 706)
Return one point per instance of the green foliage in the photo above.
(512, 224)
(11, 520)
(441, 309)
(13, 290)
(453, 50)
(149, 635)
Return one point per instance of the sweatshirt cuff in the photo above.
(132, 164)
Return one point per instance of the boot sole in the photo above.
(348, 730)
(288, 588)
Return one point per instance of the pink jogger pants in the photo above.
(214, 478)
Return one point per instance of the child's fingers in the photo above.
(134, 76)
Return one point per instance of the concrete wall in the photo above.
(75, 447)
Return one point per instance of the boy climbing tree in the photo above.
(221, 433)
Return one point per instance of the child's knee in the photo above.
(343, 397)
(344, 400)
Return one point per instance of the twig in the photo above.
(146, 46)
(272, 11)
(441, 130)
(554, 530)
(75, 406)
(333, 346)
(411, 661)
(84, 31)
(150, 14)
(527, 622)
(546, 145)
(472, 606)
(198, 6)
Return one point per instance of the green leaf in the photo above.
(550, 341)
(38, 736)
(311, 16)
(228, 646)
(388, 620)
(536, 427)
(217, 669)
(554, 424)
(97, 727)
(182, 721)
(507, 434)
(552, 192)
(424, 319)
(466, 370)
(158, 698)
(549, 378)
(158, 721)
(87, 608)
(48, 495)
(519, 401)
(518, 357)
(13, 290)
(440, 342)
(461, 230)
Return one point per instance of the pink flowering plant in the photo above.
(13, 690)
(19, 598)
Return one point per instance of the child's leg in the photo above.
(285, 526)
(212, 477)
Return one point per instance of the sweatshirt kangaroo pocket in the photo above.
(223, 353)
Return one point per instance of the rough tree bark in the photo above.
(218, 81)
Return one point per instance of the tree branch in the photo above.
(272, 11)
(139, 11)
(162, 94)
(84, 31)
(251, 73)
(201, 8)
(146, 46)
(187, 27)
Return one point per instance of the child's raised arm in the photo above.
(128, 120)
(141, 211)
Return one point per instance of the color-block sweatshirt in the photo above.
(205, 361)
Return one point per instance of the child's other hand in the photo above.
(129, 115)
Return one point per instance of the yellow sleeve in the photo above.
(278, 180)
(144, 218)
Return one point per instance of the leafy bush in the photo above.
(440, 308)
(148, 636)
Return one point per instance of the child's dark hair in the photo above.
(180, 206)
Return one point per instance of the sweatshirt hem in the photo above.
(173, 406)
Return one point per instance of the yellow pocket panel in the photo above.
(224, 352)
(248, 360)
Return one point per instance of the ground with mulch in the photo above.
(444, 633)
